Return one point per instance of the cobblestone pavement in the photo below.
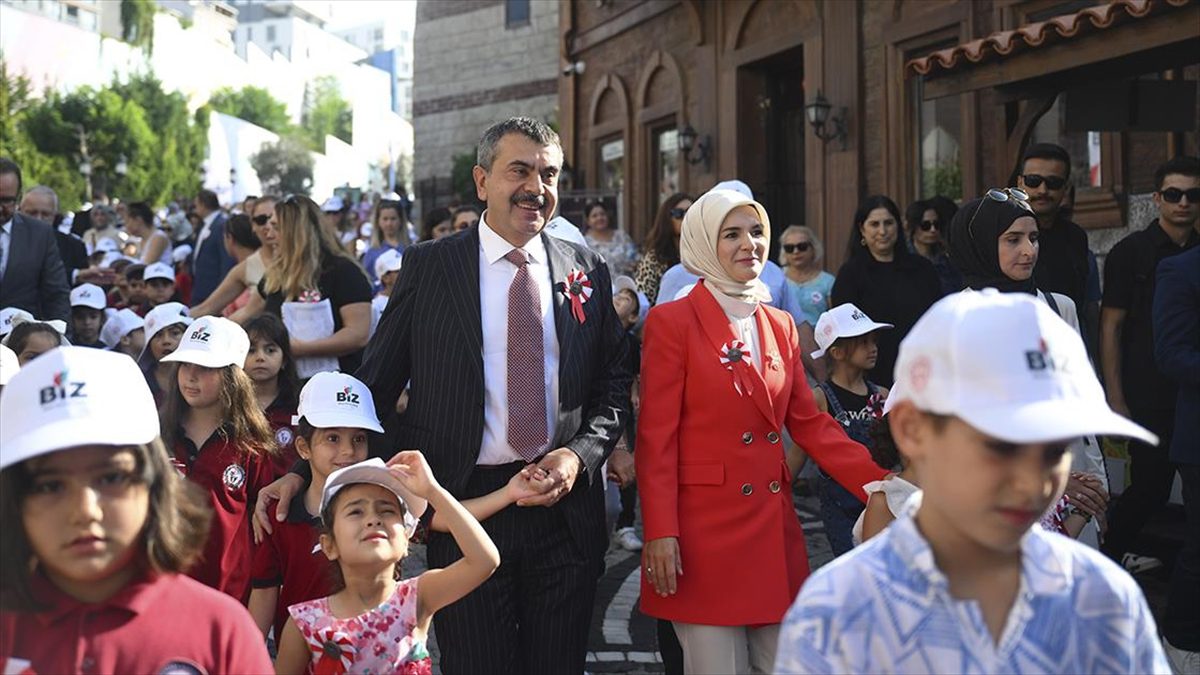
(623, 639)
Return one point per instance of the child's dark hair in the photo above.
(176, 527)
(271, 328)
(120, 265)
(883, 447)
(244, 421)
(18, 339)
(240, 229)
(336, 581)
(135, 272)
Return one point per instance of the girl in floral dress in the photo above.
(377, 623)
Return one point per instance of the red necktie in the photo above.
(526, 363)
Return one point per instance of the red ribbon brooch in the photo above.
(578, 289)
(735, 356)
(310, 295)
(335, 650)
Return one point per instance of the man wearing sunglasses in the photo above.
(1062, 264)
(1134, 384)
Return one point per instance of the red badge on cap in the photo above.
(735, 356)
(578, 289)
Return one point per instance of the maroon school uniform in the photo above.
(279, 416)
(156, 624)
(287, 559)
(232, 480)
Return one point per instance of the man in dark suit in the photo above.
(1177, 350)
(512, 355)
(41, 203)
(31, 269)
(211, 262)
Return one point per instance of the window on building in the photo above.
(271, 34)
(937, 126)
(1083, 146)
(72, 14)
(249, 33)
(378, 34)
(664, 156)
(516, 13)
(612, 165)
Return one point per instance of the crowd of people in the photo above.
(246, 413)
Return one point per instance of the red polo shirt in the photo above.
(286, 560)
(156, 624)
(279, 416)
(232, 480)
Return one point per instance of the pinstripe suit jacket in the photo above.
(430, 338)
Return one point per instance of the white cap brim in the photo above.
(329, 419)
(66, 433)
(1051, 420)
(199, 358)
(374, 472)
(854, 331)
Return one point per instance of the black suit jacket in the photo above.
(34, 279)
(74, 254)
(430, 338)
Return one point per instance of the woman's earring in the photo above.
(863, 241)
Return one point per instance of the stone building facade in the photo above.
(740, 73)
(476, 62)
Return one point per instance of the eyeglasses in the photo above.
(1014, 195)
(797, 247)
(1174, 195)
(261, 219)
(927, 225)
(678, 213)
(1052, 182)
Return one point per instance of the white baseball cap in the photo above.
(388, 261)
(212, 342)
(159, 270)
(57, 325)
(88, 295)
(735, 185)
(375, 472)
(622, 282)
(337, 400)
(9, 316)
(166, 314)
(9, 364)
(180, 253)
(74, 396)
(1006, 364)
(843, 321)
(122, 323)
(333, 204)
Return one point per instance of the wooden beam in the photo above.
(1019, 134)
(620, 23)
(1137, 36)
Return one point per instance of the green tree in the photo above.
(326, 113)
(137, 23)
(462, 177)
(37, 168)
(284, 166)
(180, 143)
(255, 105)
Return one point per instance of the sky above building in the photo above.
(349, 13)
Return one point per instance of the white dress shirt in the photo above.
(205, 230)
(745, 326)
(5, 244)
(495, 277)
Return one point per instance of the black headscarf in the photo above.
(974, 250)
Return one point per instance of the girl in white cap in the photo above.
(96, 528)
(221, 441)
(162, 329)
(374, 622)
(31, 339)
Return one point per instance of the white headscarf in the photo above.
(698, 243)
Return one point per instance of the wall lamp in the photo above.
(818, 117)
(688, 145)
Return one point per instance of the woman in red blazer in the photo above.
(721, 379)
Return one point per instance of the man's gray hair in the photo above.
(44, 190)
(533, 129)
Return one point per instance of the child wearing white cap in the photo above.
(374, 622)
(387, 270)
(991, 388)
(220, 439)
(87, 315)
(9, 365)
(159, 281)
(847, 336)
(97, 528)
(125, 332)
(163, 329)
(30, 339)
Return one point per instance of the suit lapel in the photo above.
(17, 241)
(463, 271)
(560, 263)
(719, 331)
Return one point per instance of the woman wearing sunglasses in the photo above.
(662, 245)
(926, 220)
(884, 279)
(234, 292)
(806, 289)
(994, 243)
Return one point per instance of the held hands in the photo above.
(561, 468)
(527, 484)
(413, 472)
(662, 564)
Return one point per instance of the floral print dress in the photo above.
(380, 641)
